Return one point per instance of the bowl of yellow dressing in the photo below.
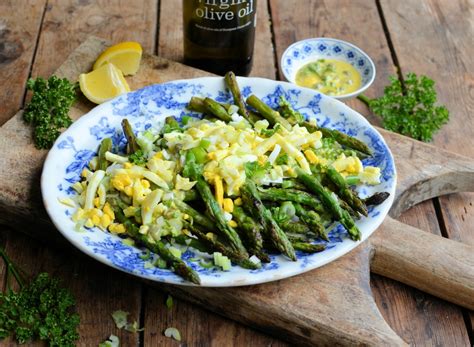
(331, 66)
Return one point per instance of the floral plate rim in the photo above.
(107, 244)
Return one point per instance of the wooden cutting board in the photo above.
(327, 306)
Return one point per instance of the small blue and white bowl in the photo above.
(306, 51)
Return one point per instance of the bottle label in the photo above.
(224, 15)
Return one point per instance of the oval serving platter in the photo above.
(147, 108)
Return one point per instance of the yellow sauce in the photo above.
(329, 76)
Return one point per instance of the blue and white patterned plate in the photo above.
(146, 108)
(306, 51)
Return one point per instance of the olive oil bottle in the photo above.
(219, 34)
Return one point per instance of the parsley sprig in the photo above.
(41, 309)
(49, 107)
(409, 107)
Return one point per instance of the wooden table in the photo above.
(427, 37)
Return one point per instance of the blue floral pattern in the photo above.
(147, 108)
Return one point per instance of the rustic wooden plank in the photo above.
(68, 23)
(330, 18)
(417, 317)
(99, 290)
(170, 45)
(274, 306)
(444, 30)
(442, 329)
(198, 326)
(19, 31)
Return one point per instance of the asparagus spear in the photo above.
(217, 109)
(312, 219)
(158, 247)
(340, 137)
(309, 247)
(287, 111)
(293, 195)
(254, 117)
(330, 202)
(193, 171)
(252, 201)
(190, 195)
(216, 246)
(131, 138)
(252, 232)
(376, 199)
(295, 227)
(292, 183)
(197, 104)
(267, 112)
(345, 192)
(105, 146)
(233, 86)
(197, 217)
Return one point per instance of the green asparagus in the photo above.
(376, 199)
(252, 201)
(158, 247)
(192, 171)
(105, 146)
(312, 219)
(309, 247)
(233, 86)
(294, 195)
(340, 137)
(267, 112)
(131, 138)
(197, 104)
(252, 231)
(197, 217)
(345, 191)
(330, 202)
(217, 110)
(216, 246)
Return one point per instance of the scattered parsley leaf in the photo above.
(112, 341)
(138, 158)
(41, 309)
(409, 108)
(174, 333)
(133, 327)
(49, 107)
(120, 318)
(169, 302)
(121, 321)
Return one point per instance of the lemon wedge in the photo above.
(103, 84)
(125, 55)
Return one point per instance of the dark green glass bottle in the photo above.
(219, 35)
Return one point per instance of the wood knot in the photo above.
(162, 65)
(10, 47)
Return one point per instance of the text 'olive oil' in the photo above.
(219, 34)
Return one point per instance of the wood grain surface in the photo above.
(19, 33)
(413, 318)
(337, 19)
(341, 284)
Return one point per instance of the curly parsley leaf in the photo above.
(41, 309)
(49, 107)
(410, 108)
